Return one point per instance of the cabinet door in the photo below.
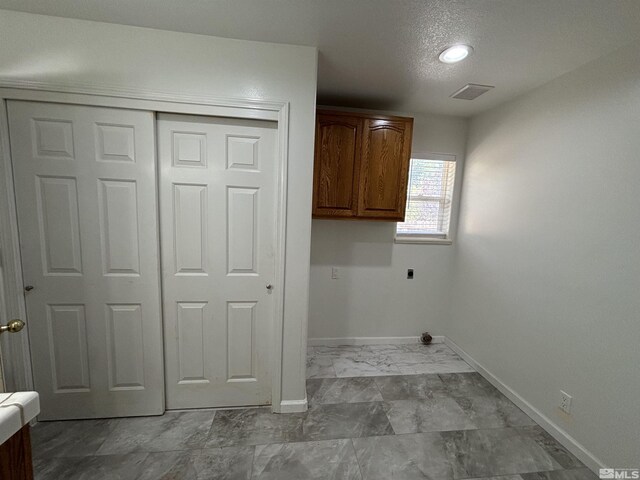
(386, 148)
(335, 179)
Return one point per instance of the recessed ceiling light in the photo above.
(455, 53)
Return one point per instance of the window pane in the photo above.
(421, 217)
(427, 178)
(430, 191)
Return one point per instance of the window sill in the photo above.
(417, 239)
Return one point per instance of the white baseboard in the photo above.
(333, 341)
(293, 406)
(570, 443)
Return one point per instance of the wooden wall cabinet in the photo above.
(361, 166)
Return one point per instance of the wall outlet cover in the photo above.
(565, 402)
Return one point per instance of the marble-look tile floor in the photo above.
(379, 412)
(380, 360)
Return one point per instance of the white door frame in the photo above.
(18, 374)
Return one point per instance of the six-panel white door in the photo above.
(86, 196)
(217, 203)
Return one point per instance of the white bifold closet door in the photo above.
(86, 195)
(218, 204)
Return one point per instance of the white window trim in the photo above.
(432, 239)
(423, 239)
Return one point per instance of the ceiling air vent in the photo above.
(471, 91)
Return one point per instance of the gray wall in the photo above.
(546, 283)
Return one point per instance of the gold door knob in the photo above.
(12, 327)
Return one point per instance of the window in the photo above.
(429, 198)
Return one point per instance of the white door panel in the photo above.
(217, 197)
(86, 197)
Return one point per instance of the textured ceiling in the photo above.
(383, 53)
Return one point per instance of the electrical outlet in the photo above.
(410, 273)
(334, 273)
(565, 402)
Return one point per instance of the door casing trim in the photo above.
(18, 373)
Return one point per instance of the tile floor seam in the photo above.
(352, 438)
(144, 451)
